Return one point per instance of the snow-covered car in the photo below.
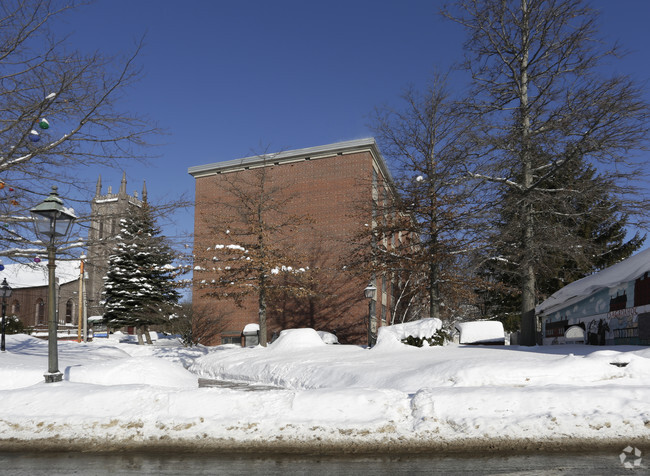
(481, 333)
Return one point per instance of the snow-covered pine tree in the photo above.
(139, 286)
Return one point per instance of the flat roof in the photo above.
(311, 153)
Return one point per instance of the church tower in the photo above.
(105, 214)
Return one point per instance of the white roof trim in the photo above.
(312, 153)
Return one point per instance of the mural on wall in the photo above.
(619, 325)
(610, 307)
(597, 331)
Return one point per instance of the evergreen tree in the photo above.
(139, 286)
(591, 221)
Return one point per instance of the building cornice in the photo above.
(289, 156)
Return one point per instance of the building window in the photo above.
(642, 290)
(617, 302)
(69, 307)
(231, 340)
(15, 308)
(40, 312)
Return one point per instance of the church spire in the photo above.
(98, 190)
(123, 184)
(144, 190)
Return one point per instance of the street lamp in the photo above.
(370, 293)
(5, 292)
(52, 221)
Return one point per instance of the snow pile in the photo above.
(481, 332)
(296, 340)
(328, 337)
(388, 335)
(117, 395)
(133, 371)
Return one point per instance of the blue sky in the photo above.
(227, 79)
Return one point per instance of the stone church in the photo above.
(105, 213)
(29, 282)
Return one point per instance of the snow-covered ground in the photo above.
(391, 397)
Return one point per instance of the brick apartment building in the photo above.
(336, 189)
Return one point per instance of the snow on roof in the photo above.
(622, 272)
(251, 328)
(33, 275)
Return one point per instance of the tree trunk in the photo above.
(434, 291)
(528, 270)
(138, 332)
(262, 309)
(147, 336)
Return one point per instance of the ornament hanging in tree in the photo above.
(43, 124)
(2, 185)
(37, 260)
(34, 136)
(2, 267)
(13, 202)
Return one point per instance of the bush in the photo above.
(13, 325)
(439, 338)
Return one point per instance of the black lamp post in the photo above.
(5, 292)
(52, 221)
(370, 293)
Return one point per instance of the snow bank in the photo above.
(133, 371)
(118, 395)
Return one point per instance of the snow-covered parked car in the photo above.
(481, 332)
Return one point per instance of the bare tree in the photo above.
(58, 112)
(542, 102)
(424, 140)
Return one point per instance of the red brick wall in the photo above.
(332, 194)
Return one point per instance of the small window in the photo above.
(69, 308)
(231, 340)
(40, 312)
